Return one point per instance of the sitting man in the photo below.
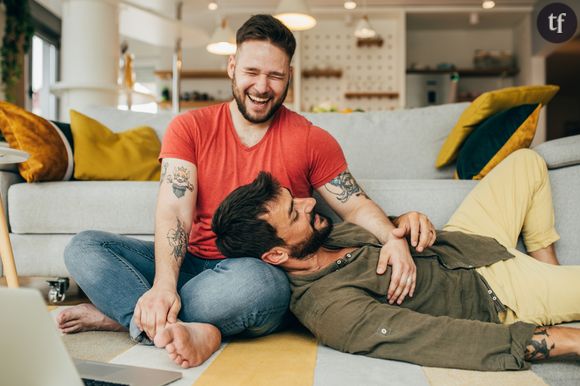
(479, 303)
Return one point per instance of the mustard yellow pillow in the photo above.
(101, 154)
(496, 138)
(50, 152)
(485, 105)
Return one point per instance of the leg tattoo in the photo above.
(538, 348)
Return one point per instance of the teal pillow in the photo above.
(496, 138)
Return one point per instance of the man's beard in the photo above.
(239, 97)
(315, 241)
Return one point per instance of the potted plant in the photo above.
(16, 42)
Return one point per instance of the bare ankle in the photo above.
(550, 342)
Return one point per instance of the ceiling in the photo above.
(198, 22)
(270, 4)
(426, 14)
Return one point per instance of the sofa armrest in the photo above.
(561, 152)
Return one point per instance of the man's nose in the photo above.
(306, 204)
(261, 84)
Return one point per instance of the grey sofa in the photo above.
(390, 153)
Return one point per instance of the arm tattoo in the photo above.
(180, 181)
(178, 241)
(163, 172)
(346, 186)
(537, 348)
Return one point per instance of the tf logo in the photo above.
(557, 22)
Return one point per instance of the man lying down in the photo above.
(479, 303)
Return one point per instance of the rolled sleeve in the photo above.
(362, 325)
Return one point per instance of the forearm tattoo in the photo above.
(344, 186)
(538, 348)
(180, 181)
(178, 241)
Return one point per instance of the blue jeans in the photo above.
(238, 296)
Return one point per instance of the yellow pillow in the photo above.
(496, 138)
(101, 154)
(485, 105)
(50, 152)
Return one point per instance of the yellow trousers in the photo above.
(515, 198)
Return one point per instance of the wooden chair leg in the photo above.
(6, 253)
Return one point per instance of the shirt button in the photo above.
(489, 291)
(348, 255)
(470, 266)
(383, 330)
(339, 262)
(494, 298)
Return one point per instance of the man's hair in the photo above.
(239, 230)
(267, 27)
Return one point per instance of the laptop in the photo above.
(33, 354)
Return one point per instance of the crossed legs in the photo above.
(222, 297)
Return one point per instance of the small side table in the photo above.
(8, 156)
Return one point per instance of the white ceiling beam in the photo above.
(154, 28)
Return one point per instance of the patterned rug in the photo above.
(295, 358)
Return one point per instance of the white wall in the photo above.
(331, 44)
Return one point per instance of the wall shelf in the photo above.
(469, 72)
(336, 73)
(194, 74)
(390, 95)
(369, 42)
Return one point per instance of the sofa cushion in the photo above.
(400, 144)
(496, 138)
(42, 255)
(49, 149)
(101, 154)
(69, 207)
(560, 153)
(487, 104)
(408, 139)
(438, 199)
(120, 120)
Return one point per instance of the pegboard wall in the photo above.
(368, 69)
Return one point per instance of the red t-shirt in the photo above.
(300, 155)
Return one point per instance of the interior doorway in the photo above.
(563, 112)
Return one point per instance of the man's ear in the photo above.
(231, 65)
(276, 256)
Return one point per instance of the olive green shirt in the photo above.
(451, 321)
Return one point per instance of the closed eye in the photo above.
(295, 217)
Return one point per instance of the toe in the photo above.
(70, 330)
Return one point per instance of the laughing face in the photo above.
(260, 74)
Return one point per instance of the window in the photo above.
(44, 68)
(43, 62)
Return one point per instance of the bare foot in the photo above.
(189, 344)
(85, 317)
